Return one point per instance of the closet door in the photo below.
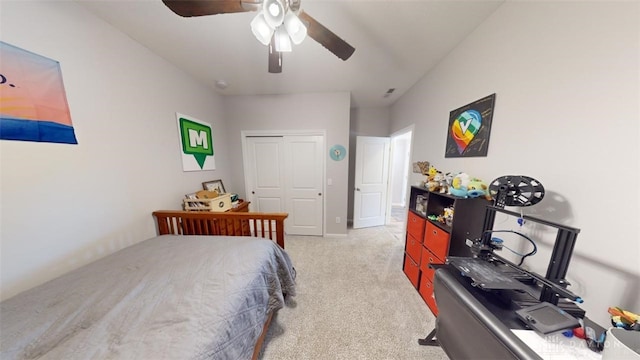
(285, 174)
(303, 184)
(265, 175)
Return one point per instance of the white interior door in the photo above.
(371, 181)
(303, 180)
(285, 174)
(265, 175)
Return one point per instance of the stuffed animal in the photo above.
(459, 185)
(448, 178)
(477, 188)
(443, 187)
(448, 215)
(432, 184)
(432, 172)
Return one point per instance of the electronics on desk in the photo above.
(546, 318)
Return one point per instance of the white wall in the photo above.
(65, 205)
(314, 111)
(566, 76)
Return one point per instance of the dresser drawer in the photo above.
(427, 258)
(412, 270)
(415, 225)
(413, 247)
(436, 240)
(426, 292)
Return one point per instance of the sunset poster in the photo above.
(33, 103)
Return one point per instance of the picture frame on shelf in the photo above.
(214, 185)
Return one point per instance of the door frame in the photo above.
(254, 133)
(408, 129)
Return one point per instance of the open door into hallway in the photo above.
(400, 167)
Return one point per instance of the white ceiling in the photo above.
(396, 41)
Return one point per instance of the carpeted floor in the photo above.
(353, 302)
(397, 226)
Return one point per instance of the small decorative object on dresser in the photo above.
(214, 185)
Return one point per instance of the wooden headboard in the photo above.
(256, 224)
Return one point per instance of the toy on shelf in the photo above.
(441, 178)
(433, 179)
(478, 188)
(448, 215)
(448, 179)
(441, 184)
(459, 185)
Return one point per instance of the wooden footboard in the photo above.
(265, 225)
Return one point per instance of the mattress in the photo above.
(169, 297)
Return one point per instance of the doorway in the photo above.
(399, 170)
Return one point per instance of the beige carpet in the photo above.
(397, 225)
(353, 302)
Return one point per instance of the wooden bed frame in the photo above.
(264, 225)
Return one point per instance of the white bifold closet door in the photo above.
(285, 174)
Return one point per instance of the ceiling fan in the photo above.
(278, 23)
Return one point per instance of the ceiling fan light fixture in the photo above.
(283, 42)
(261, 29)
(296, 29)
(273, 12)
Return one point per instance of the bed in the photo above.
(205, 288)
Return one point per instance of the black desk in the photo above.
(473, 325)
(476, 324)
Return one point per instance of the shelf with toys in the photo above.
(439, 223)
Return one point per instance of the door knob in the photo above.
(319, 194)
(253, 192)
(357, 189)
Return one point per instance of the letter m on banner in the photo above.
(196, 140)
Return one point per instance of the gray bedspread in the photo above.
(170, 297)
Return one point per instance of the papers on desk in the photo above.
(557, 346)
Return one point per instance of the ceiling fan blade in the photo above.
(189, 8)
(275, 57)
(325, 37)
